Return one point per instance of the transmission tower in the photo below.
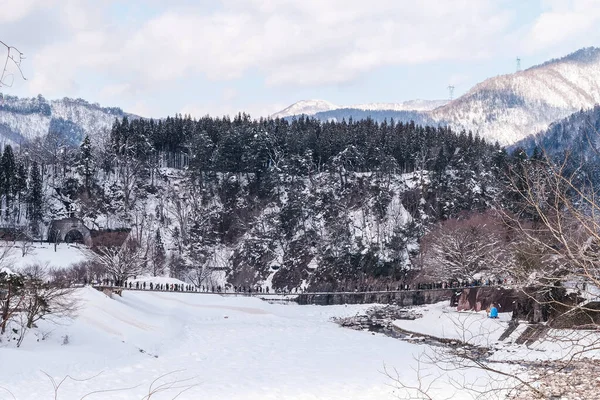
(451, 92)
(518, 64)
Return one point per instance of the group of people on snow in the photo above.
(248, 289)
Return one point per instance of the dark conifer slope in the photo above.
(575, 139)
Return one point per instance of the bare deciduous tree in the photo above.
(565, 232)
(28, 296)
(12, 60)
(11, 300)
(466, 247)
(44, 298)
(171, 386)
(121, 262)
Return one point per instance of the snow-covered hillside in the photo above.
(573, 141)
(22, 119)
(505, 108)
(508, 108)
(297, 224)
(305, 107)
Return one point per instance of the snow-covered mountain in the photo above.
(22, 119)
(305, 107)
(508, 108)
(314, 107)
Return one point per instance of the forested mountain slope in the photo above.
(575, 139)
(291, 204)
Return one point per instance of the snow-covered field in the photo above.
(222, 347)
(231, 347)
(44, 254)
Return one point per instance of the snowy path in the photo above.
(236, 347)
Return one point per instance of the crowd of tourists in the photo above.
(258, 289)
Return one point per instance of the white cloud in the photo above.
(14, 10)
(229, 94)
(282, 42)
(304, 42)
(117, 90)
(564, 22)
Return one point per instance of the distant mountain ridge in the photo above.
(314, 107)
(305, 107)
(505, 108)
(410, 105)
(380, 116)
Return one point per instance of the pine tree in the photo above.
(9, 173)
(20, 189)
(158, 255)
(86, 165)
(35, 198)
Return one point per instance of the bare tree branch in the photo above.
(13, 58)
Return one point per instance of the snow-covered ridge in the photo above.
(305, 107)
(586, 54)
(312, 107)
(23, 119)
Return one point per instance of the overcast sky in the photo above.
(157, 57)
